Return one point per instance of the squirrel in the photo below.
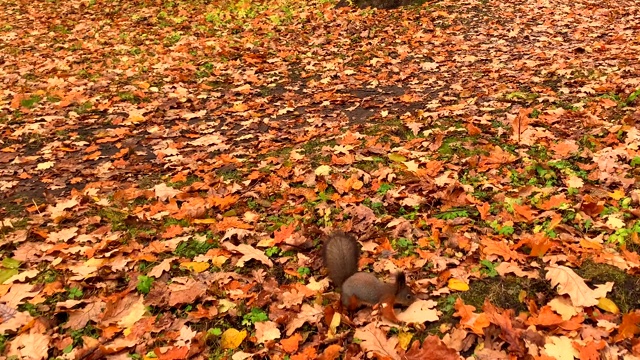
(341, 253)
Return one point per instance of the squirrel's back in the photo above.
(341, 254)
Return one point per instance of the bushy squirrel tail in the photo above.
(341, 253)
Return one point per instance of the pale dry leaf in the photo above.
(411, 165)
(506, 267)
(63, 235)
(17, 293)
(291, 298)
(164, 192)
(568, 282)
(186, 335)
(21, 277)
(374, 340)
(308, 314)
(614, 222)
(30, 346)
(134, 313)
(45, 165)
(266, 331)
(574, 182)
(563, 307)
(249, 253)
(115, 311)
(6, 313)
(208, 140)
(561, 348)
(455, 339)
(18, 320)
(420, 312)
(157, 270)
(323, 170)
(59, 210)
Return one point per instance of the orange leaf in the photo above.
(483, 210)
(172, 231)
(499, 248)
(283, 233)
(546, 317)
(524, 210)
(590, 351)
(629, 326)
(290, 345)
(473, 130)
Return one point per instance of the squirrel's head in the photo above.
(404, 295)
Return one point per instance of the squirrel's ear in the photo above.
(401, 280)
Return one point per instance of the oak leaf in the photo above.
(232, 338)
(266, 331)
(561, 348)
(568, 282)
(32, 346)
(375, 341)
(248, 253)
(432, 349)
(420, 312)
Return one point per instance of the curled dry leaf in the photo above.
(249, 253)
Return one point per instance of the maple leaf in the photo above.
(568, 282)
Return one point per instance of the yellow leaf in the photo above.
(333, 326)
(204, 221)
(411, 165)
(232, 338)
(323, 170)
(617, 195)
(608, 305)
(615, 222)
(219, 260)
(397, 157)
(45, 165)
(195, 266)
(404, 339)
(455, 284)
(575, 182)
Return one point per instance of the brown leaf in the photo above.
(432, 349)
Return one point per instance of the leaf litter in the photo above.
(168, 171)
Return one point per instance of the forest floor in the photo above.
(168, 170)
